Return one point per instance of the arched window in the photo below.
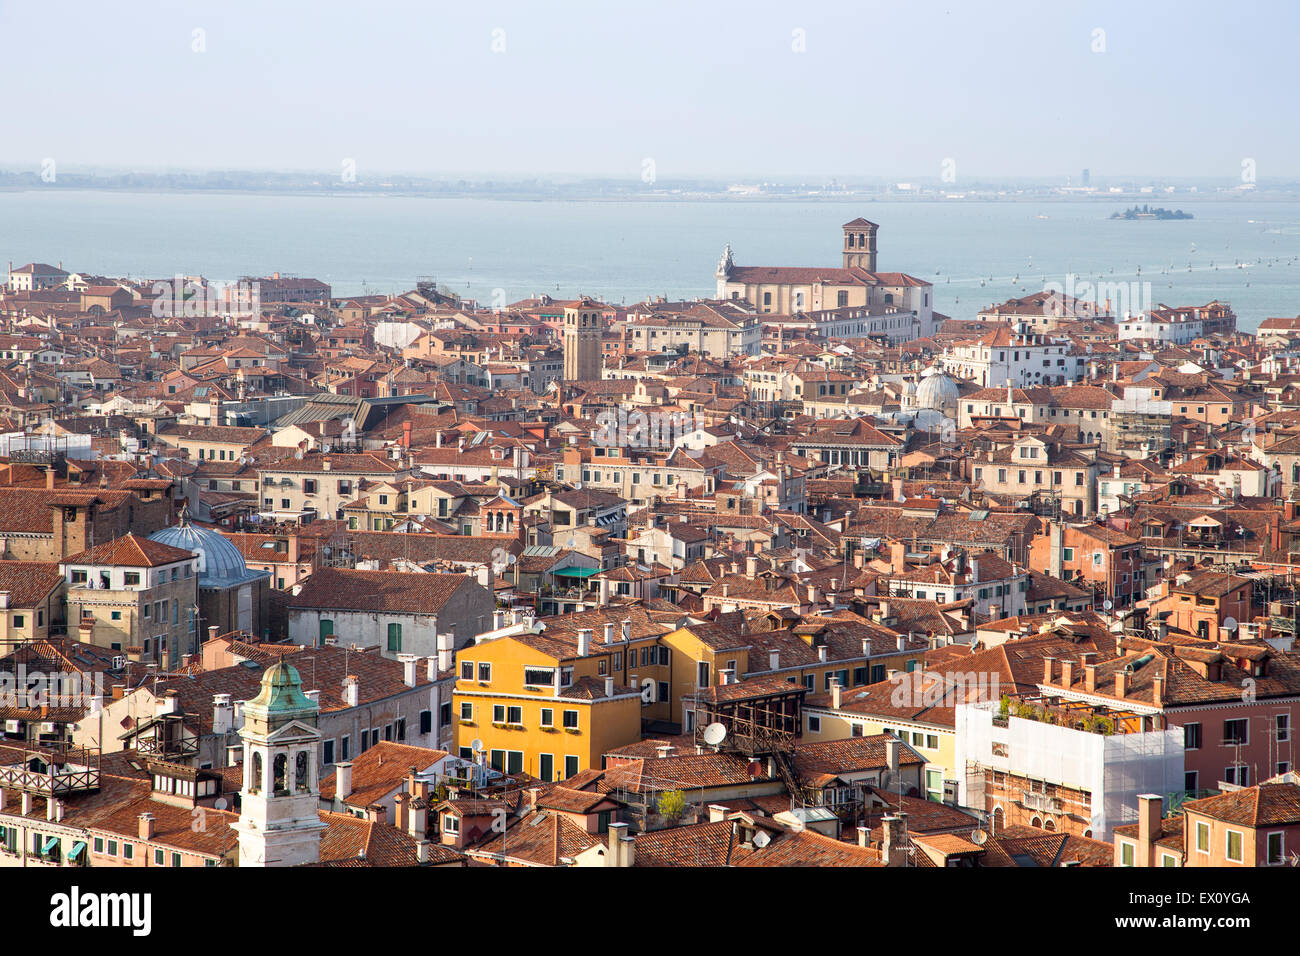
(1295, 472)
(280, 774)
(997, 820)
(255, 785)
(1036, 822)
(1049, 826)
(300, 771)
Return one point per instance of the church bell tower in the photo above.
(860, 245)
(279, 823)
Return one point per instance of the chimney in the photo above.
(376, 813)
(1158, 690)
(1150, 814)
(627, 629)
(1049, 670)
(609, 687)
(837, 693)
(223, 714)
(622, 848)
(610, 629)
(417, 822)
(1121, 683)
(584, 641)
(408, 668)
(902, 642)
(431, 667)
(717, 813)
(146, 826)
(604, 596)
(343, 780)
(446, 651)
(167, 704)
(866, 647)
(774, 660)
(422, 851)
(822, 653)
(351, 691)
(1090, 678)
(1067, 672)
(863, 832)
(751, 566)
(890, 850)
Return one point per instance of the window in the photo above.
(131, 578)
(548, 717)
(466, 670)
(498, 713)
(328, 752)
(1238, 774)
(466, 710)
(345, 747)
(546, 767)
(20, 620)
(128, 851)
(99, 844)
(539, 676)
(1232, 848)
(159, 857)
(1191, 736)
(570, 720)
(570, 766)
(426, 719)
(1236, 731)
(485, 673)
(814, 724)
(514, 715)
(1276, 849)
(394, 638)
(1283, 724)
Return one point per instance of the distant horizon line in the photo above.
(809, 179)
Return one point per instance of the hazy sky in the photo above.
(702, 88)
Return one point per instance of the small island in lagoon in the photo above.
(1146, 212)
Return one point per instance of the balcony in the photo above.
(1041, 802)
(53, 773)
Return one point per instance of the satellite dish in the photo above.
(978, 837)
(1107, 605)
(476, 745)
(1229, 624)
(715, 734)
(761, 839)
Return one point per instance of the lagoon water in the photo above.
(975, 253)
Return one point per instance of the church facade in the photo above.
(889, 305)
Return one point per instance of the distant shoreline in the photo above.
(505, 195)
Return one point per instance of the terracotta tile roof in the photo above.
(385, 591)
(380, 770)
(131, 551)
(1268, 804)
(29, 583)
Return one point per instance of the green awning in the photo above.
(576, 572)
(49, 844)
(76, 850)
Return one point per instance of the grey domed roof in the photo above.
(936, 391)
(220, 563)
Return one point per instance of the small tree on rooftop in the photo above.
(672, 804)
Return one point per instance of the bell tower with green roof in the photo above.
(279, 823)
